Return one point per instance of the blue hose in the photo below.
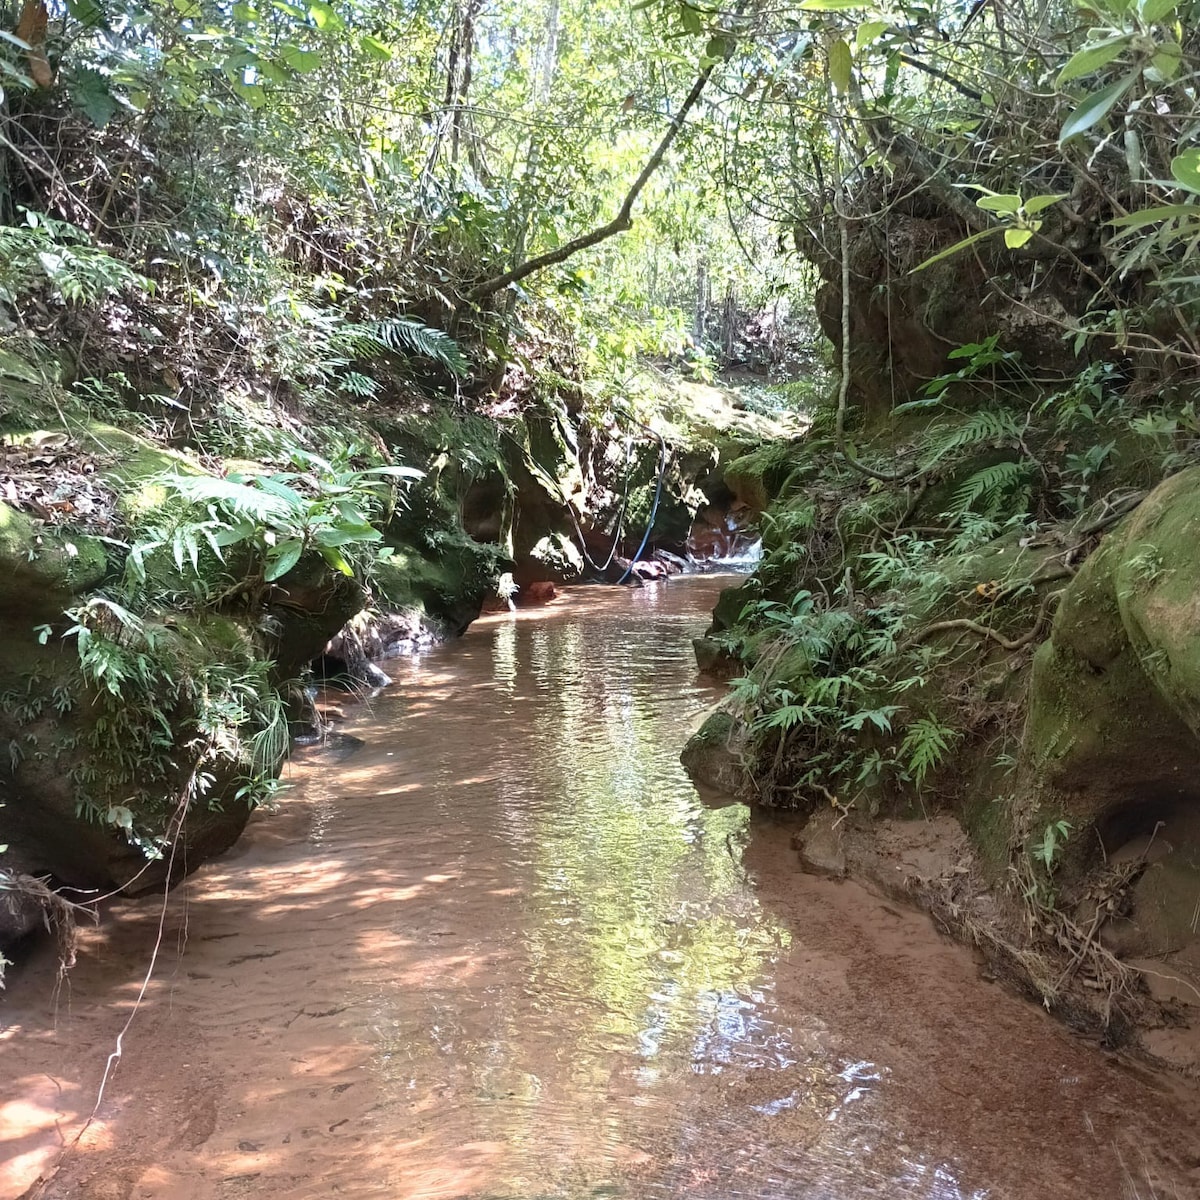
(662, 470)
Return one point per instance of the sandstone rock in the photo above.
(716, 757)
(819, 845)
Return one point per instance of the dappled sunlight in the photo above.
(508, 956)
(33, 1127)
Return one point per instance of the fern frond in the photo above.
(358, 384)
(926, 745)
(990, 485)
(242, 499)
(986, 425)
(400, 334)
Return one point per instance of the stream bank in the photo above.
(976, 603)
(494, 946)
(171, 610)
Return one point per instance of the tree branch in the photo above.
(938, 73)
(621, 222)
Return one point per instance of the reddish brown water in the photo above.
(502, 952)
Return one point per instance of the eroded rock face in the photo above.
(1114, 722)
(96, 762)
(903, 322)
(1113, 734)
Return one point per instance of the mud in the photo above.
(501, 950)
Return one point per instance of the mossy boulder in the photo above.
(1114, 720)
(41, 567)
(755, 479)
(98, 754)
(715, 756)
(133, 467)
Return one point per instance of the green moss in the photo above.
(1114, 715)
(132, 465)
(756, 478)
(730, 603)
(986, 819)
(40, 567)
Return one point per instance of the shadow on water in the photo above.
(502, 951)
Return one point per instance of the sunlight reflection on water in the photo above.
(603, 1014)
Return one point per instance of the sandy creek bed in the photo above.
(501, 950)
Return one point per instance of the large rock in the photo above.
(170, 705)
(1114, 721)
(716, 756)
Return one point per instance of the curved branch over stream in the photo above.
(624, 218)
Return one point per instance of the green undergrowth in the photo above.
(885, 642)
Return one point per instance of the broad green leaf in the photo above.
(1166, 62)
(1014, 239)
(840, 66)
(234, 534)
(1156, 10)
(346, 537)
(86, 12)
(831, 5)
(1185, 168)
(276, 487)
(90, 92)
(376, 49)
(1095, 108)
(298, 60)
(1093, 57)
(292, 10)
(867, 32)
(999, 203)
(1037, 204)
(718, 49)
(950, 250)
(282, 559)
(336, 559)
(324, 16)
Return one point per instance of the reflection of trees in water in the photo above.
(617, 996)
(640, 904)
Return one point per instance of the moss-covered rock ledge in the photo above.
(137, 704)
(1039, 686)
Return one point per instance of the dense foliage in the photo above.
(254, 232)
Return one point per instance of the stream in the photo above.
(492, 946)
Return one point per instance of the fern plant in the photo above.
(987, 490)
(164, 698)
(327, 508)
(988, 426)
(400, 334)
(926, 744)
(45, 252)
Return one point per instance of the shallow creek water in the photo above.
(500, 950)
